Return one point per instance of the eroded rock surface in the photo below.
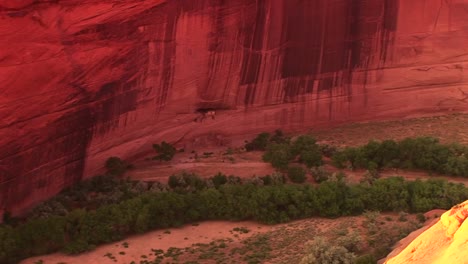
(444, 242)
(82, 80)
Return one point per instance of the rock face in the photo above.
(82, 80)
(444, 242)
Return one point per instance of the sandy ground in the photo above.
(247, 165)
(448, 128)
(286, 241)
(185, 236)
(241, 164)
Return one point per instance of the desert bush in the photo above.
(308, 151)
(279, 137)
(403, 217)
(320, 174)
(366, 259)
(296, 174)
(423, 153)
(82, 229)
(116, 167)
(371, 216)
(421, 218)
(258, 143)
(352, 242)
(279, 155)
(320, 251)
(48, 208)
(186, 181)
(165, 151)
(219, 179)
(255, 180)
(276, 178)
(328, 150)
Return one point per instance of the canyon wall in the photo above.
(83, 80)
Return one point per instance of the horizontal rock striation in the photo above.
(82, 80)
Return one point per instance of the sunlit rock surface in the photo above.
(444, 242)
(82, 80)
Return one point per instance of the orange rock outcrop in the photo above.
(442, 243)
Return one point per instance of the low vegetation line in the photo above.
(108, 208)
(81, 230)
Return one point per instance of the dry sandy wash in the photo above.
(138, 246)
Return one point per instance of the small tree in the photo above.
(278, 155)
(296, 174)
(258, 143)
(219, 179)
(115, 166)
(279, 137)
(165, 151)
(311, 157)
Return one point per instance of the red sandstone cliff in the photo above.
(81, 80)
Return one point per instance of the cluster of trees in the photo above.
(424, 153)
(280, 151)
(304, 150)
(81, 230)
(264, 139)
(92, 193)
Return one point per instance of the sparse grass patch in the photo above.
(403, 217)
(421, 218)
(242, 230)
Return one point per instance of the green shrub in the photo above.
(421, 218)
(296, 174)
(258, 143)
(320, 174)
(186, 181)
(115, 166)
(308, 151)
(81, 230)
(277, 178)
(279, 137)
(165, 151)
(321, 251)
(352, 242)
(423, 153)
(328, 150)
(365, 259)
(403, 217)
(279, 155)
(219, 179)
